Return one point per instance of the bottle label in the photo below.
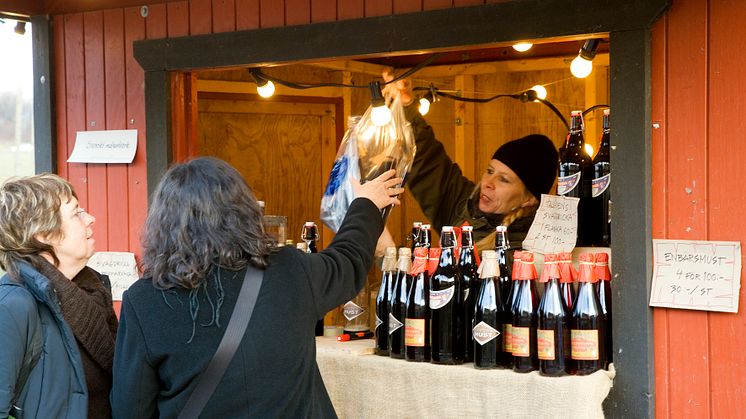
(545, 344)
(352, 311)
(441, 298)
(508, 338)
(484, 333)
(521, 343)
(378, 321)
(414, 332)
(600, 185)
(394, 324)
(584, 344)
(565, 184)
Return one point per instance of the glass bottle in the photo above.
(310, 234)
(600, 193)
(399, 303)
(417, 323)
(506, 360)
(467, 266)
(602, 277)
(445, 313)
(567, 279)
(501, 247)
(587, 327)
(525, 318)
(553, 322)
(414, 237)
(388, 269)
(574, 175)
(433, 258)
(488, 314)
(425, 236)
(357, 312)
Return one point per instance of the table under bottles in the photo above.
(364, 385)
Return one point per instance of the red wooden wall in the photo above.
(698, 105)
(698, 177)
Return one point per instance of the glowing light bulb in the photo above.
(266, 90)
(580, 67)
(424, 106)
(522, 46)
(589, 149)
(380, 115)
(541, 92)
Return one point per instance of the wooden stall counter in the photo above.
(364, 385)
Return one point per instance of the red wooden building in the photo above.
(675, 84)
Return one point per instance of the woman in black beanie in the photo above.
(508, 193)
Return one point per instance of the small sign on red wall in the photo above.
(696, 275)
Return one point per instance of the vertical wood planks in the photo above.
(134, 29)
(271, 13)
(75, 106)
(177, 19)
(297, 12)
(407, 6)
(95, 116)
(726, 200)
(155, 27)
(247, 14)
(659, 175)
(686, 190)
(223, 16)
(116, 118)
(350, 9)
(378, 7)
(60, 93)
(323, 11)
(200, 17)
(436, 4)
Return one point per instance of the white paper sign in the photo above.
(113, 146)
(555, 227)
(696, 275)
(119, 266)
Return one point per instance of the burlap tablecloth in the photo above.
(362, 385)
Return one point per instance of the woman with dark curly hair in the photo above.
(203, 229)
(57, 324)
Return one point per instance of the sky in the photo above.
(16, 66)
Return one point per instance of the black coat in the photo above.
(274, 372)
(445, 195)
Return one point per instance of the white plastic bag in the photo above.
(367, 150)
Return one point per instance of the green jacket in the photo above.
(445, 195)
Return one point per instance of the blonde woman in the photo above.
(57, 325)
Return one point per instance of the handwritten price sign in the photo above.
(555, 226)
(121, 268)
(696, 275)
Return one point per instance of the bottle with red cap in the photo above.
(447, 341)
(467, 266)
(567, 279)
(417, 323)
(525, 317)
(506, 359)
(388, 269)
(553, 322)
(399, 303)
(587, 327)
(488, 314)
(602, 276)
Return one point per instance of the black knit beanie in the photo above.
(534, 159)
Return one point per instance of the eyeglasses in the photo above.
(81, 213)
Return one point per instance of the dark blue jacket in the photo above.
(30, 314)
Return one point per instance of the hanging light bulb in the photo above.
(541, 92)
(426, 100)
(582, 65)
(264, 87)
(380, 114)
(522, 46)
(589, 149)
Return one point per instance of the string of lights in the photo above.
(381, 114)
